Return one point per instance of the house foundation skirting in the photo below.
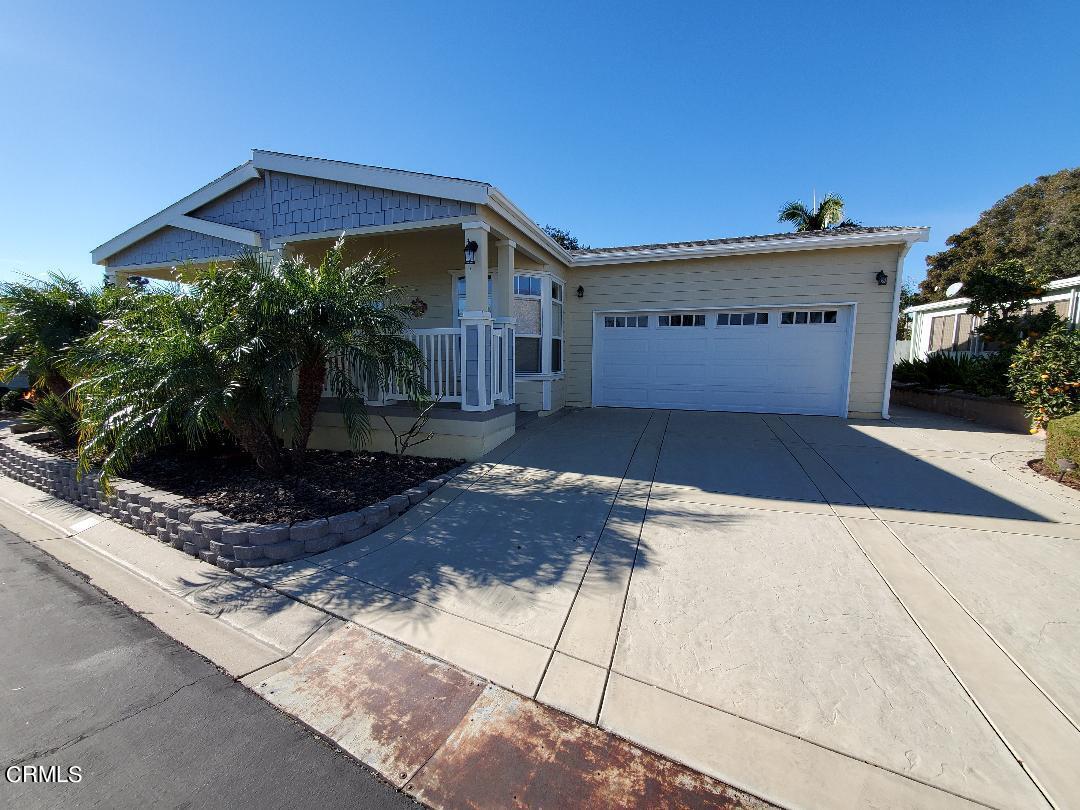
(455, 433)
(188, 527)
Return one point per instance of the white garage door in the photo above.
(765, 360)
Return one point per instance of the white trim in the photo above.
(530, 376)
(230, 232)
(671, 252)
(373, 230)
(211, 191)
(475, 225)
(725, 307)
(429, 185)
(898, 283)
(846, 405)
(501, 205)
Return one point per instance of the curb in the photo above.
(444, 736)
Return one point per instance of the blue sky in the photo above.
(622, 122)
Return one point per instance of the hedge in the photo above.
(1063, 441)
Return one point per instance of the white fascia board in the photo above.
(907, 236)
(357, 174)
(1063, 284)
(211, 191)
(501, 205)
(230, 232)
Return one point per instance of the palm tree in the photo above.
(829, 212)
(39, 322)
(176, 366)
(244, 346)
(344, 322)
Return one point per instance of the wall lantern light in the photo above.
(580, 291)
(882, 277)
(470, 252)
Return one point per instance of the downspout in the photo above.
(898, 281)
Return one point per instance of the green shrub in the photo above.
(1045, 375)
(985, 375)
(1063, 442)
(13, 401)
(56, 415)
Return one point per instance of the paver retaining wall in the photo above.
(185, 525)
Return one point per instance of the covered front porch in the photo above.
(460, 279)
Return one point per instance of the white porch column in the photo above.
(504, 313)
(476, 325)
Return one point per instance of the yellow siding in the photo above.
(528, 394)
(423, 261)
(813, 276)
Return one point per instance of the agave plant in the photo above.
(827, 213)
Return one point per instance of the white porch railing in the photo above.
(441, 350)
(444, 367)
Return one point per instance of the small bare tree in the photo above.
(414, 435)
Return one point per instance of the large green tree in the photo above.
(1038, 224)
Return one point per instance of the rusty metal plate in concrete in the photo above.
(386, 705)
(513, 752)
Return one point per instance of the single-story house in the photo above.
(946, 326)
(784, 323)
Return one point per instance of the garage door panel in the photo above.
(757, 367)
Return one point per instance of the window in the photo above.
(742, 319)
(821, 316)
(537, 302)
(526, 355)
(622, 321)
(556, 326)
(527, 285)
(459, 290)
(682, 320)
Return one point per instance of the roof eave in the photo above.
(896, 237)
(211, 191)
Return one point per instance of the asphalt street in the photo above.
(90, 687)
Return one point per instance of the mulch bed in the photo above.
(326, 483)
(1042, 468)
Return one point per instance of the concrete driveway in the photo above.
(821, 612)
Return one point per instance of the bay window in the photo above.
(538, 336)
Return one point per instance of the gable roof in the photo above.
(477, 192)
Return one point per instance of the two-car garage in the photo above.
(786, 359)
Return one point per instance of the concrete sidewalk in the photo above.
(447, 737)
(764, 598)
(819, 612)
